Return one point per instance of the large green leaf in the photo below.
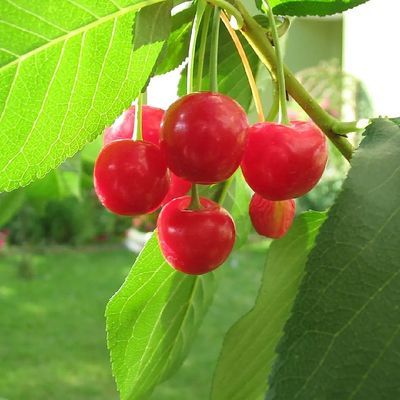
(151, 321)
(342, 340)
(66, 70)
(249, 347)
(313, 7)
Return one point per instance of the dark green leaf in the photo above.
(151, 321)
(10, 203)
(249, 347)
(342, 340)
(177, 45)
(232, 78)
(66, 71)
(313, 7)
(152, 24)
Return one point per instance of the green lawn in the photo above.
(52, 338)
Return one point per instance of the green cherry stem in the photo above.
(137, 130)
(230, 9)
(195, 201)
(202, 48)
(283, 114)
(274, 110)
(247, 68)
(201, 5)
(214, 51)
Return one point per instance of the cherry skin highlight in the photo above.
(124, 125)
(203, 136)
(131, 177)
(284, 162)
(195, 241)
(271, 218)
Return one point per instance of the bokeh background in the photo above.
(62, 255)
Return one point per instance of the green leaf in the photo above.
(151, 321)
(238, 199)
(249, 346)
(232, 79)
(313, 7)
(152, 24)
(69, 177)
(177, 46)
(66, 71)
(10, 203)
(44, 189)
(342, 340)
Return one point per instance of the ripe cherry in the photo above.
(131, 177)
(271, 218)
(195, 241)
(283, 162)
(123, 129)
(124, 125)
(204, 136)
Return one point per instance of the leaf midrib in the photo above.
(80, 30)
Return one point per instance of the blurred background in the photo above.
(62, 255)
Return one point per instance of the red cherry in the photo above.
(123, 127)
(179, 187)
(271, 218)
(283, 162)
(195, 241)
(131, 177)
(204, 136)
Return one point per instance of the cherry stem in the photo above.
(214, 51)
(255, 35)
(201, 5)
(137, 130)
(195, 202)
(274, 110)
(247, 67)
(283, 114)
(202, 48)
(230, 10)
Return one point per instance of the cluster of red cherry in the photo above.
(203, 138)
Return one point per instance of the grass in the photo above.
(52, 336)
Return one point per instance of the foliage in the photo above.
(351, 282)
(88, 74)
(175, 304)
(313, 7)
(262, 326)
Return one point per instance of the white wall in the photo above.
(372, 52)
